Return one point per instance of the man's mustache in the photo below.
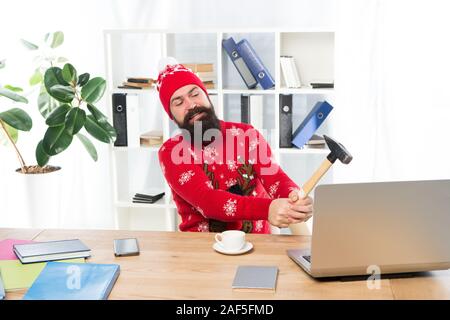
(192, 112)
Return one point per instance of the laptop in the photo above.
(382, 227)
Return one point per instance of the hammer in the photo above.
(337, 151)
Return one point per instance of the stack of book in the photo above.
(205, 71)
(151, 138)
(138, 83)
(316, 141)
(147, 198)
(247, 62)
(290, 73)
(17, 275)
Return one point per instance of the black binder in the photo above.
(245, 108)
(119, 101)
(285, 120)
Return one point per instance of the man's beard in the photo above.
(208, 121)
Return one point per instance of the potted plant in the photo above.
(67, 101)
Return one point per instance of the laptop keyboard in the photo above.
(307, 258)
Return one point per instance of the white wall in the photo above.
(392, 67)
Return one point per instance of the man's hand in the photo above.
(301, 205)
(282, 212)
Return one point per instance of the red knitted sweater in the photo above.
(203, 180)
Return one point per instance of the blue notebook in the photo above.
(74, 281)
(311, 123)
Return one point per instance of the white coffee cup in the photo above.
(231, 240)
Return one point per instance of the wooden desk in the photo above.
(175, 265)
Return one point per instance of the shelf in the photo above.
(134, 91)
(248, 91)
(136, 166)
(149, 91)
(306, 90)
(159, 204)
(305, 150)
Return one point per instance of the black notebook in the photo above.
(147, 198)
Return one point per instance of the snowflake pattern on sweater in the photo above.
(200, 188)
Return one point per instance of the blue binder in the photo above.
(311, 123)
(74, 281)
(254, 63)
(230, 47)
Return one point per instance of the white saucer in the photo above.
(247, 247)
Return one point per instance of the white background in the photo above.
(392, 78)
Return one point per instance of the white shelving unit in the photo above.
(135, 53)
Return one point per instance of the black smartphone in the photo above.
(126, 247)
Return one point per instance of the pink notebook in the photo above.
(6, 248)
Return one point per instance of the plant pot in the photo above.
(40, 194)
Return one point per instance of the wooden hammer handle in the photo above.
(309, 185)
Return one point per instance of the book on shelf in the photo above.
(141, 80)
(311, 123)
(259, 71)
(151, 138)
(137, 85)
(285, 120)
(129, 87)
(231, 49)
(252, 110)
(206, 76)
(290, 72)
(322, 84)
(316, 140)
(209, 84)
(199, 67)
(147, 197)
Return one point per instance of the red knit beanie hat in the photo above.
(172, 77)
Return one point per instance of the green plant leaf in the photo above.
(56, 140)
(29, 45)
(57, 40)
(75, 120)
(12, 88)
(69, 73)
(83, 79)
(96, 130)
(13, 133)
(93, 90)
(58, 116)
(41, 157)
(102, 121)
(17, 118)
(12, 95)
(62, 93)
(36, 78)
(98, 115)
(46, 104)
(89, 146)
(53, 76)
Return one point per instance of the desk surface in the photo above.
(175, 265)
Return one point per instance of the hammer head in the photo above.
(338, 151)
